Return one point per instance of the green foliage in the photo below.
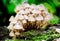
(13, 40)
(50, 7)
(16, 2)
(10, 8)
(16, 40)
(57, 3)
(11, 4)
(54, 20)
(31, 1)
(5, 2)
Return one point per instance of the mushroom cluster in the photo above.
(29, 17)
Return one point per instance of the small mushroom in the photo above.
(18, 26)
(24, 23)
(22, 12)
(44, 24)
(12, 34)
(31, 20)
(41, 7)
(39, 18)
(26, 17)
(11, 18)
(10, 27)
(18, 8)
(14, 21)
(48, 17)
(35, 12)
(17, 33)
(21, 17)
(38, 21)
(26, 5)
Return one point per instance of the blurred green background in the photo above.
(7, 8)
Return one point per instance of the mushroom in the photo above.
(26, 17)
(12, 34)
(18, 26)
(35, 13)
(10, 27)
(48, 17)
(14, 21)
(21, 17)
(29, 16)
(44, 24)
(33, 6)
(39, 18)
(18, 8)
(31, 20)
(17, 33)
(25, 5)
(11, 18)
(24, 23)
(22, 12)
(41, 7)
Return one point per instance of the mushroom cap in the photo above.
(21, 17)
(14, 21)
(31, 18)
(17, 33)
(18, 27)
(25, 17)
(11, 18)
(27, 11)
(35, 11)
(39, 18)
(41, 7)
(17, 16)
(12, 34)
(18, 8)
(24, 21)
(22, 12)
(48, 17)
(10, 27)
(33, 6)
(25, 5)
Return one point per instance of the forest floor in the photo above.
(4, 33)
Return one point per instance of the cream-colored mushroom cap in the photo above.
(11, 18)
(18, 27)
(31, 18)
(25, 5)
(24, 21)
(35, 12)
(12, 34)
(39, 18)
(10, 27)
(48, 17)
(21, 17)
(25, 17)
(33, 6)
(18, 8)
(17, 33)
(42, 7)
(27, 11)
(21, 12)
(14, 21)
